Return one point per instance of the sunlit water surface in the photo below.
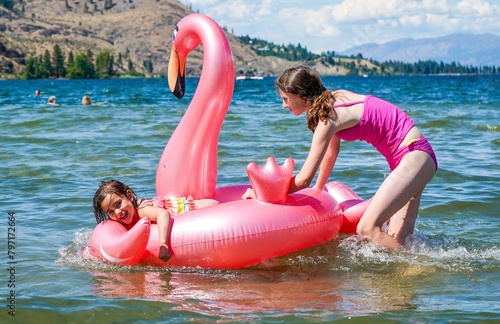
(52, 158)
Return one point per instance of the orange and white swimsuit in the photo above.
(178, 205)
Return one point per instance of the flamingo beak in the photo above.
(177, 73)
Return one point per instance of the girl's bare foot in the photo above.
(163, 253)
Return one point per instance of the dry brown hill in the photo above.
(138, 29)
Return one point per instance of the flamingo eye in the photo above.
(176, 29)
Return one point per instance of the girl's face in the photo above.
(119, 208)
(296, 104)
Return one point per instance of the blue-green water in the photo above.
(52, 158)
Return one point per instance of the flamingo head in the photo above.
(176, 69)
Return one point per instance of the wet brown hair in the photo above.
(107, 188)
(303, 81)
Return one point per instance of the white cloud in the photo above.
(340, 24)
(479, 8)
(309, 23)
(415, 20)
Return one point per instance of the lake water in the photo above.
(52, 158)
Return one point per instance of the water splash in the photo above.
(76, 255)
(439, 253)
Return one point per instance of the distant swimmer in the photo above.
(52, 100)
(86, 100)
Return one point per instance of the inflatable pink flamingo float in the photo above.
(236, 233)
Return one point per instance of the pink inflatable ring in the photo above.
(236, 233)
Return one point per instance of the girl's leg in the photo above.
(402, 223)
(405, 182)
(163, 224)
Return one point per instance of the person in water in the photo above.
(116, 201)
(52, 100)
(86, 100)
(342, 114)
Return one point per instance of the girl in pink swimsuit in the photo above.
(350, 116)
(116, 201)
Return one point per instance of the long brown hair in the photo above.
(303, 81)
(106, 188)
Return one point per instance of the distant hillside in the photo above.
(138, 30)
(137, 35)
(466, 49)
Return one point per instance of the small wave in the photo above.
(492, 128)
(427, 253)
(455, 254)
(441, 252)
(75, 254)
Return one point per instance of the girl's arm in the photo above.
(162, 218)
(328, 162)
(320, 143)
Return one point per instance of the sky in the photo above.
(337, 25)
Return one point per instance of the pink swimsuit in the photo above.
(384, 125)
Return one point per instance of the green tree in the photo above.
(82, 68)
(71, 58)
(130, 65)
(108, 4)
(58, 59)
(7, 4)
(45, 65)
(148, 66)
(120, 60)
(31, 70)
(90, 54)
(104, 65)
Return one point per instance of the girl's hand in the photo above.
(249, 194)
